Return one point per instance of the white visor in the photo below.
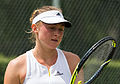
(51, 17)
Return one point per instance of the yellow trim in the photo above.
(74, 75)
(79, 82)
(49, 72)
(106, 62)
(114, 44)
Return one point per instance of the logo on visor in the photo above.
(58, 14)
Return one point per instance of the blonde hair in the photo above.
(37, 12)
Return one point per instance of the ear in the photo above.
(34, 28)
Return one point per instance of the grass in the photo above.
(114, 64)
(4, 59)
(3, 64)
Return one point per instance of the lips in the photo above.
(55, 40)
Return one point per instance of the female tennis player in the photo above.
(45, 63)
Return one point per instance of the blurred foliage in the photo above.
(3, 64)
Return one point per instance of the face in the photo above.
(50, 35)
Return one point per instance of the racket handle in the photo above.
(79, 82)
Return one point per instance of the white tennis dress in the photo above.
(37, 73)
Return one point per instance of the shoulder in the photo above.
(15, 68)
(18, 61)
(72, 59)
(71, 55)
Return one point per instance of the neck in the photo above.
(45, 56)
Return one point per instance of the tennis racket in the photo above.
(95, 60)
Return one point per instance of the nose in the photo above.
(58, 32)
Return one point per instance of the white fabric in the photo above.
(38, 73)
(50, 17)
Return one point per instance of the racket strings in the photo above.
(97, 58)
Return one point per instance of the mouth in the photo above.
(54, 40)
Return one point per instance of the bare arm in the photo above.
(16, 71)
(73, 60)
(11, 74)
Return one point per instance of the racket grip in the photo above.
(79, 82)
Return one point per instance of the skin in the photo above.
(48, 37)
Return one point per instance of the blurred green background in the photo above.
(91, 21)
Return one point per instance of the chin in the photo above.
(53, 47)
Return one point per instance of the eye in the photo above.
(61, 29)
(52, 28)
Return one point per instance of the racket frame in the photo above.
(86, 56)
